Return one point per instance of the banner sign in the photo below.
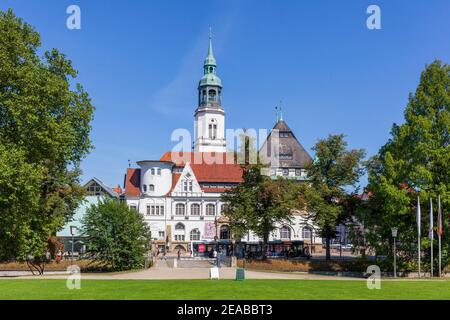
(210, 230)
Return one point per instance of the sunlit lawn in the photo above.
(223, 289)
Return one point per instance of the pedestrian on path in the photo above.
(179, 254)
(217, 257)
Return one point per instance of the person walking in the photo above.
(179, 254)
(217, 257)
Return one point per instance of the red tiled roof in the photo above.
(133, 182)
(208, 166)
(117, 190)
(175, 178)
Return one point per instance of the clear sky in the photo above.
(141, 61)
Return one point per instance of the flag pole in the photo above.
(418, 230)
(439, 232)
(431, 235)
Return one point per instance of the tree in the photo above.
(414, 162)
(333, 171)
(117, 236)
(44, 135)
(259, 203)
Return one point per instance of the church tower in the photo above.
(209, 124)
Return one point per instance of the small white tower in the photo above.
(209, 124)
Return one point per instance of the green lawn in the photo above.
(223, 289)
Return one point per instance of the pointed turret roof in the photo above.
(210, 60)
(210, 77)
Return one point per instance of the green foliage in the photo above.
(414, 162)
(258, 204)
(44, 134)
(333, 171)
(117, 236)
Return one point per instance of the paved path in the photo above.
(161, 271)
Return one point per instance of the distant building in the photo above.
(96, 190)
(290, 155)
(180, 193)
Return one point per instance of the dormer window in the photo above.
(151, 187)
(158, 171)
(153, 171)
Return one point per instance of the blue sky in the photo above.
(141, 61)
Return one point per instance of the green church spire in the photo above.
(210, 77)
(210, 61)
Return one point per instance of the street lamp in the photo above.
(73, 230)
(394, 235)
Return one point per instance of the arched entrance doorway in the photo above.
(224, 233)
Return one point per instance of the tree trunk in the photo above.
(264, 248)
(328, 249)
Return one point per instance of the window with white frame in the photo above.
(133, 207)
(285, 232)
(180, 209)
(179, 232)
(210, 209)
(151, 187)
(152, 170)
(195, 235)
(195, 209)
(306, 233)
(187, 186)
(179, 237)
(155, 210)
(161, 234)
(158, 171)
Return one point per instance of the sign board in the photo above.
(214, 273)
(210, 230)
(240, 274)
(201, 248)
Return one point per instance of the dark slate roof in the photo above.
(291, 153)
(105, 188)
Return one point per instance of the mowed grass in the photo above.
(223, 290)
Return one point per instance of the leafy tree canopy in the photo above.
(259, 204)
(334, 170)
(414, 162)
(117, 236)
(44, 134)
